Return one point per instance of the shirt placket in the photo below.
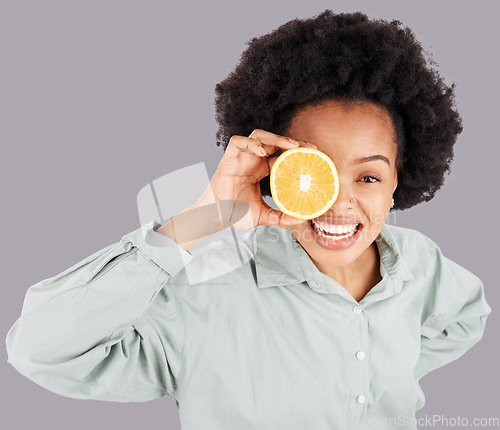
(359, 393)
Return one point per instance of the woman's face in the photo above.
(346, 135)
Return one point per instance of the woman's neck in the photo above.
(363, 277)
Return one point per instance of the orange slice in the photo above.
(304, 182)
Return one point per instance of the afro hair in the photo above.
(346, 56)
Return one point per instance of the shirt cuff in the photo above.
(163, 250)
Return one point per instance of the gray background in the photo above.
(98, 98)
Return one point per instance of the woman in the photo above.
(306, 324)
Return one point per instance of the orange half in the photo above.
(304, 182)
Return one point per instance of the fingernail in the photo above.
(293, 141)
(311, 144)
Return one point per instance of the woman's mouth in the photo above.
(335, 236)
(335, 232)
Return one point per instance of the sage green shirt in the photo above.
(249, 334)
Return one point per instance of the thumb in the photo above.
(288, 220)
(280, 219)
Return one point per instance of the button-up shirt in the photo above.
(246, 333)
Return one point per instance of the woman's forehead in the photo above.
(337, 128)
(338, 111)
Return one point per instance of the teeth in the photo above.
(337, 229)
(346, 231)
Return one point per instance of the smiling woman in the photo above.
(321, 324)
(361, 140)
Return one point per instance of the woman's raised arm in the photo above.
(106, 328)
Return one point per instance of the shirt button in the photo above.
(360, 355)
(361, 398)
(357, 310)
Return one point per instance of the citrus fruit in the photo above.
(304, 182)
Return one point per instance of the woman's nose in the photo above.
(345, 199)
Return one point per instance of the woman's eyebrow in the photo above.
(372, 158)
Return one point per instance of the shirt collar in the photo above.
(280, 260)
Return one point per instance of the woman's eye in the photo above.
(375, 179)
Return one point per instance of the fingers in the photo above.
(263, 150)
(263, 143)
(275, 154)
(271, 142)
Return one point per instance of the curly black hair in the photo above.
(347, 56)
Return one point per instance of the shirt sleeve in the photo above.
(456, 317)
(108, 327)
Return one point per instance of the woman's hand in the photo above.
(237, 180)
